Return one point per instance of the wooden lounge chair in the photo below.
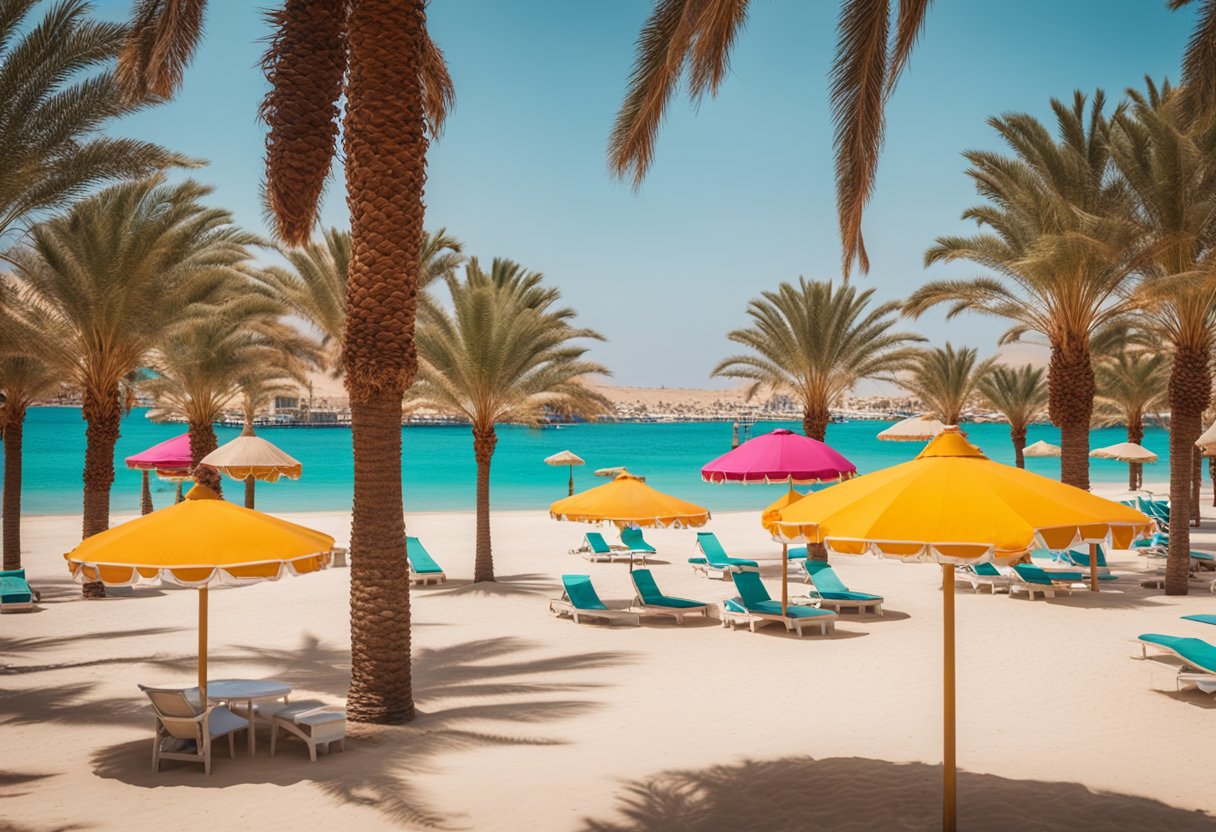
(15, 592)
(715, 563)
(833, 594)
(180, 717)
(423, 569)
(580, 600)
(314, 722)
(755, 607)
(651, 600)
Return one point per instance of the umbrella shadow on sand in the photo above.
(492, 692)
(799, 793)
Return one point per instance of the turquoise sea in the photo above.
(439, 474)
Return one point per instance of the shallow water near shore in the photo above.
(439, 472)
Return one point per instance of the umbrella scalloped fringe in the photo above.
(690, 522)
(722, 479)
(112, 574)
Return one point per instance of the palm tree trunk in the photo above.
(1189, 390)
(202, 442)
(484, 441)
(1070, 403)
(14, 423)
(815, 418)
(249, 487)
(145, 493)
(385, 142)
(102, 415)
(1135, 433)
(1196, 483)
(1018, 435)
(817, 551)
(1212, 474)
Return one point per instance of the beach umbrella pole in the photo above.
(1093, 567)
(571, 480)
(785, 584)
(949, 822)
(202, 647)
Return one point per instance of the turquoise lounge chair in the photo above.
(1195, 652)
(651, 600)
(1081, 559)
(423, 569)
(15, 592)
(755, 607)
(983, 574)
(1202, 618)
(716, 560)
(580, 600)
(832, 592)
(1031, 580)
(796, 553)
(596, 549)
(632, 540)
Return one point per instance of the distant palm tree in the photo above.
(1168, 164)
(112, 275)
(315, 285)
(1020, 395)
(817, 342)
(506, 353)
(57, 95)
(1131, 384)
(946, 380)
(1060, 251)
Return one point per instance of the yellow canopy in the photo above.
(253, 456)
(200, 541)
(771, 515)
(952, 504)
(627, 501)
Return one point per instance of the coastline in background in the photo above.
(439, 471)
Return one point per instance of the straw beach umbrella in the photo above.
(920, 428)
(252, 458)
(569, 458)
(1041, 448)
(170, 460)
(201, 542)
(1125, 452)
(780, 456)
(1207, 441)
(952, 505)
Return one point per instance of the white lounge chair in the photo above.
(314, 722)
(984, 574)
(180, 717)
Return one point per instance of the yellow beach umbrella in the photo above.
(952, 505)
(200, 542)
(627, 501)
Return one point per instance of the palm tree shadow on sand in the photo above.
(799, 793)
(502, 693)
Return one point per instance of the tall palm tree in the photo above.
(315, 285)
(57, 94)
(506, 353)
(1131, 384)
(1060, 254)
(378, 56)
(817, 342)
(1168, 163)
(1020, 395)
(112, 275)
(946, 380)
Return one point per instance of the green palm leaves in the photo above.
(1017, 393)
(945, 380)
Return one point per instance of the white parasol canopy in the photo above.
(1125, 452)
(920, 428)
(1041, 448)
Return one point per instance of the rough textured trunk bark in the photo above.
(1212, 474)
(249, 488)
(815, 419)
(145, 493)
(1196, 482)
(385, 142)
(14, 422)
(202, 442)
(1135, 433)
(817, 551)
(102, 414)
(1018, 435)
(483, 450)
(1189, 390)
(1070, 403)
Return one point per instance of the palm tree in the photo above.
(817, 342)
(315, 285)
(1131, 384)
(57, 94)
(378, 57)
(946, 380)
(1017, 393)
(1061, 255)
(112, 275)
(1168, 163)
(504, 354)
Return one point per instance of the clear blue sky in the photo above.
(741, 195)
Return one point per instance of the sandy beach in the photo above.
(527, 721)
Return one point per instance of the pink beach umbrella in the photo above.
(169, 459)
(781, 456)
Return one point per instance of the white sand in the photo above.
(531, 722)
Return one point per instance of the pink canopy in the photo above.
(172, 455)
(780, 456)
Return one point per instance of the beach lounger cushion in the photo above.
(633, 540)
(313, 722)
(1202, 618)
(650, 594)
(1194, 651)
(420, 559)
(754, 604)
(828, 584)
(715, 554)
(580, 600)
(15, 591)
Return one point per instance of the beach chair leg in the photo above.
(232, 745)
(312, 751)
(274, 736)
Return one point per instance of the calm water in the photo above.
(439, 473)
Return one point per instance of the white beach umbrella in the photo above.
(1125, 452)
(569, 458)
(920, 428)
(1041, 448)
(1207, 441)
(252, 458)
